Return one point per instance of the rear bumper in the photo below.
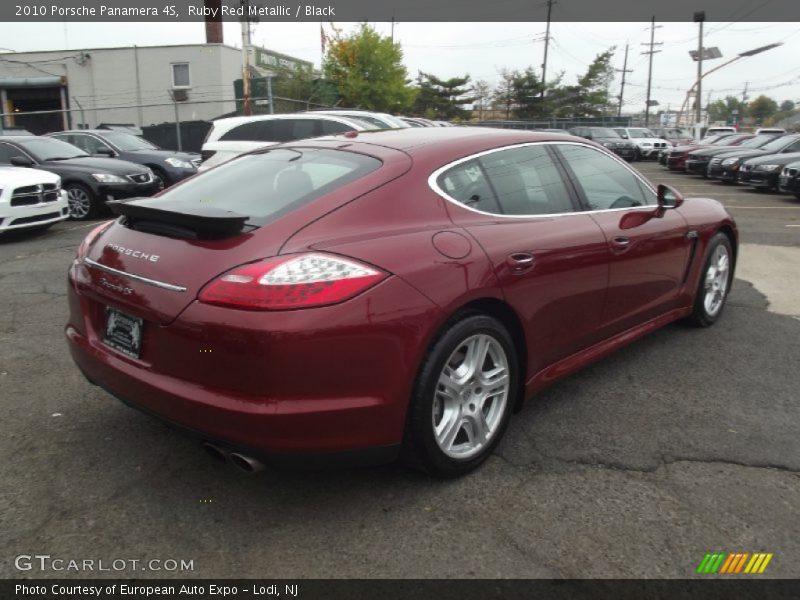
(327, 381)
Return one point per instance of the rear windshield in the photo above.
(271, 183)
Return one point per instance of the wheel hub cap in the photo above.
(716, 281)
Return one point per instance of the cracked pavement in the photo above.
(686, 442)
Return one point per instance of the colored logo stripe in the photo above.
(734, 562)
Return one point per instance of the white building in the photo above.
(131, 85)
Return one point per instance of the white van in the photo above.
(233, 136)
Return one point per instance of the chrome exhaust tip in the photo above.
(215, 452)
(248, 464)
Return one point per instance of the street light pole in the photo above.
(699, 17)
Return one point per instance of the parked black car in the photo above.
(89, 181)
(764, 171)
(698, 161)
(169, 167)
(789, 180)
(608, 138)
(728, 168)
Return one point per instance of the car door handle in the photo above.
(520, 262)
(621, 242)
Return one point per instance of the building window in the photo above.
(180, 75)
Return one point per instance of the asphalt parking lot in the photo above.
(683, 443)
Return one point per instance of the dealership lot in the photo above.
(684, 443)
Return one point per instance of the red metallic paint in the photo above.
(339, 377)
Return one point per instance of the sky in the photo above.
(483, 49)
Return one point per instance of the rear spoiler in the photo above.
(179, 218)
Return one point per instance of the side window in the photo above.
(793, 147)
(334, 127)
(606, 183)
(7, 152)
(248, 132)
(306, 128)
(526, 181)
(87, 143)
(466, 183)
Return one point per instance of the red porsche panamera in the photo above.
(370, 295)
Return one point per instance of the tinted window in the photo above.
(254, 131)
(794, 147)
(334, 127)
(51, 149)
(779, 144)
(526, 181)
(467, 184)
(87, 143)
(269, 184)
(605, 182)
(7, 152)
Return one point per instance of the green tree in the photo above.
(444, 98)
(762, 108)
(527, 95)
(787, 106)
(591, 93)
(368, 71)
(723, 110)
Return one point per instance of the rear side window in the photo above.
(269, 184)
(255, 131)
(334, 127)
(518, 181)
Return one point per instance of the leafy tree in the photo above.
(762, 108)
(787, 106)
(722, 110)
(368, 71)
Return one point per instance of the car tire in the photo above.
(715, 282)
(637, 155)
(161, 178)
(83, 204)
(457, 413)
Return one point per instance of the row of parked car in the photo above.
(764, 160)
(46, 179)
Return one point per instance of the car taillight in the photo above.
(286, 282)
(87, 241)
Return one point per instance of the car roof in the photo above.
(18, 138)
(448, 140)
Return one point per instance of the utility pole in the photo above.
(651, 51)
(247, 109)
(625, 70)
(744, 93)
(699, 17)
(393, 27)
(546, 45)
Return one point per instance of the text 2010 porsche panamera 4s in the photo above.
(366, 296)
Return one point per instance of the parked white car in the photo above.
(378, 120)
(30, 199)
(233, 136)
(648, 144)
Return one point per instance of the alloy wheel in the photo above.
(471, 397)
(716, 280)
(80, 203)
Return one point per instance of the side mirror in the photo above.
(21, 161)
(105, 151)
(668, 197)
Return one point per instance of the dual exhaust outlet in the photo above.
(245, 463)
